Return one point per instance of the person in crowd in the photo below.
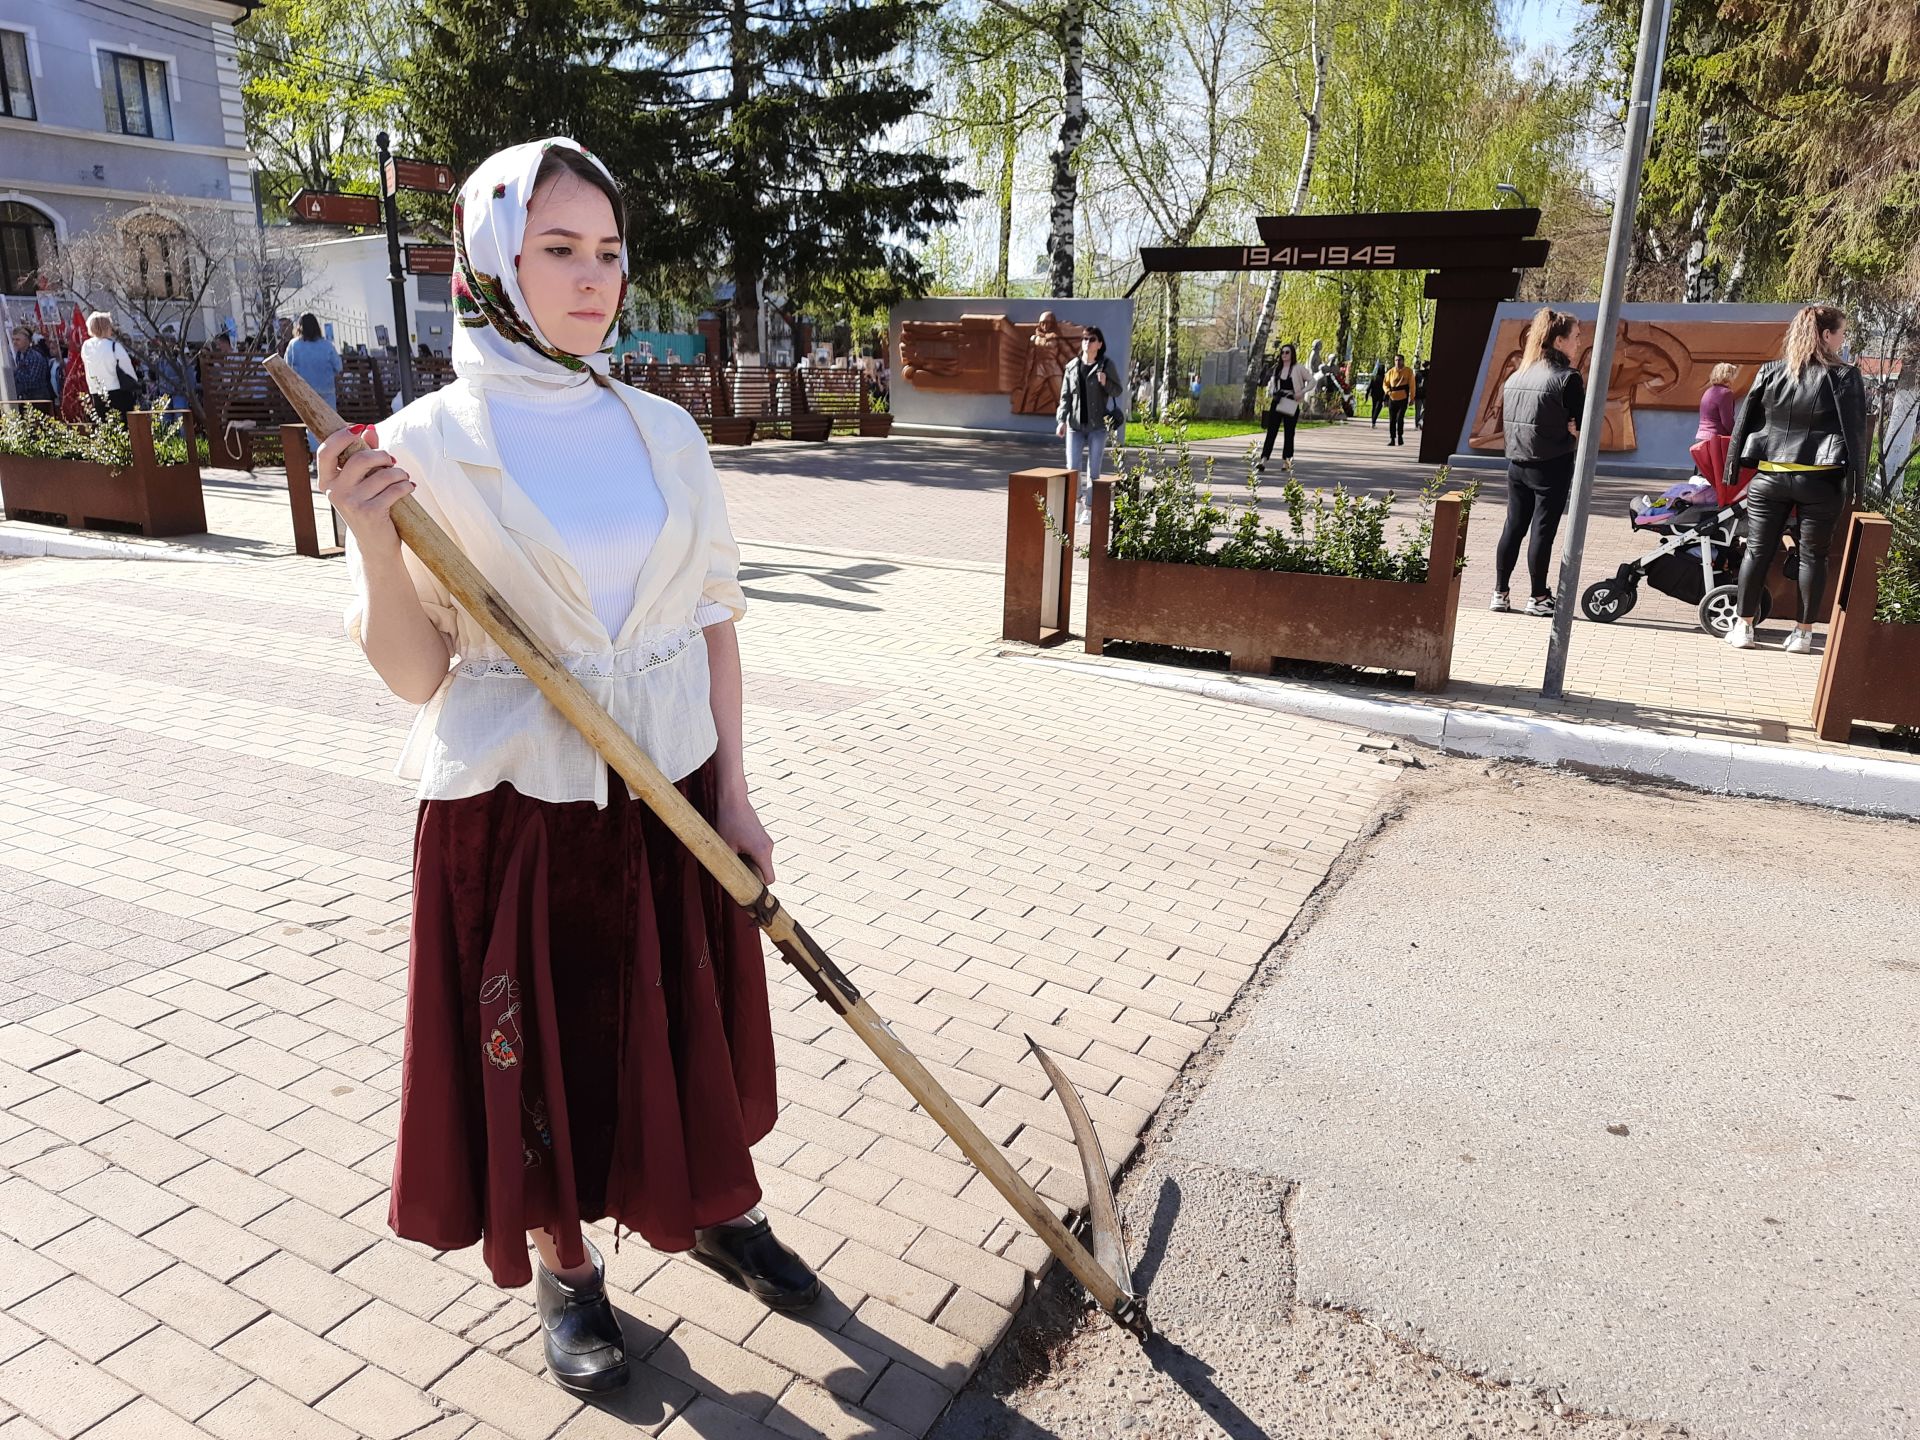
(1193, 389)
(1397, 385)
(1288, 384)
(1804, 424)
(1420, 395)
(588, 1033)
(1377, 392)
(1716, 402)
(32, 373)
(113, 380)
(314, 359)
(1090, 395)
(1541, 403)
(167, 369)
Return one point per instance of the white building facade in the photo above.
(344, 282)
(106, 107)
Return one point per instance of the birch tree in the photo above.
(995, 86)
(1174, 135)
(1308, 104)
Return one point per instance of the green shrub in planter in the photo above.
(1900, 572)
(1163, 511)
(34, 434)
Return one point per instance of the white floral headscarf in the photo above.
(496, 342)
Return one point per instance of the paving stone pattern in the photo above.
(203, 905)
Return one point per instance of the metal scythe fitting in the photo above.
(1103, 1272)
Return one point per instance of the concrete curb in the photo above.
(87, 547)
(1774, 772)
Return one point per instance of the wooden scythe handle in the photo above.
(463, 580)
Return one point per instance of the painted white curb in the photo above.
(1776, 772)
(88, 547)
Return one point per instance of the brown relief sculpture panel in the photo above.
(1659, 365)
(1050, 345)
(974, 355)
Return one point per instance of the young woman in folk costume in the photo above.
(587, 1024)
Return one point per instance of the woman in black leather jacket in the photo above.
(1804, 423)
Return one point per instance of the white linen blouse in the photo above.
(488, 723)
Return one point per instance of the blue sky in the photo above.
(1544, 22)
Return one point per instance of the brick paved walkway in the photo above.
(946, 499)
(203, 900)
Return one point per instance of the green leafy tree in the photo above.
(1172, 136)
(1819, 101)
(318, 82)
(750, 134)
(994, 86)
(1424, 106)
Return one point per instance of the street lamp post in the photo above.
(1654, 15)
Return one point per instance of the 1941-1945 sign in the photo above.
(1319, 257)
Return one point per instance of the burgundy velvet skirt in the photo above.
(587, 1029)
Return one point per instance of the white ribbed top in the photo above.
(577, 455)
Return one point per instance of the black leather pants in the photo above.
(1771, 499)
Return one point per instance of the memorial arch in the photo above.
(1476, 257)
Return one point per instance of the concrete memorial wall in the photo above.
(988, 364)
(1662, 358)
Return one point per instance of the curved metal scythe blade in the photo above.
(1103, 1215)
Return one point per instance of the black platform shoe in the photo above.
(749, 1256)
(585, 1352)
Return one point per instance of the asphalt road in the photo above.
(1570, 1095)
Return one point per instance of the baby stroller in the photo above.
(1698, 558)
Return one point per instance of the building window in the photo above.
(136, 95)
(16, 94)
(164, 257)
(26, 247)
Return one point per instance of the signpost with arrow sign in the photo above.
(434, 179)
(397, 174)
(334, 207)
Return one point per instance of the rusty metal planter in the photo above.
(1257, 616)
(1871, 669)
(156, 499)
(877, 423)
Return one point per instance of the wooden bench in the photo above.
(838, 395)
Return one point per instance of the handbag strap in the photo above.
(1840, 426)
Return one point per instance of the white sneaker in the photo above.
(1740, 635)
(1539, 605)
(1798, 642)
(1082, 519)
(1500, 604)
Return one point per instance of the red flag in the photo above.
(73, 386)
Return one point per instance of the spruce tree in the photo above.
(757, 140)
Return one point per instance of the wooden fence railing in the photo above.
(242, 405)
(734, 407)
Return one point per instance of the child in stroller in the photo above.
(1698, 559)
